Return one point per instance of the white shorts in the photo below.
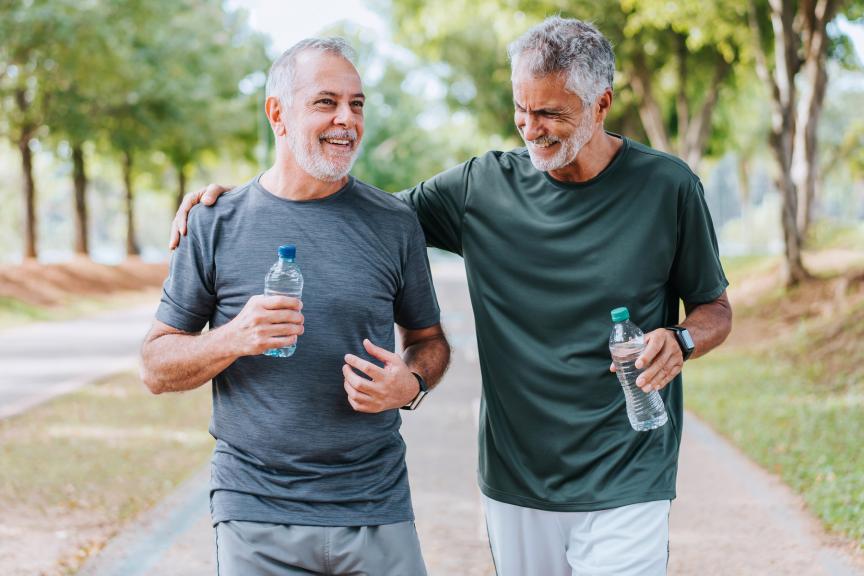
(627, 541)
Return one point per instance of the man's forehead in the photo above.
(543, 96)
(316, 71)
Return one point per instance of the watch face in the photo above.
(687, 339)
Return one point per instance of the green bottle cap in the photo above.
(620, 314)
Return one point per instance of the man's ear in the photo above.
(273, 109)
(604, 104)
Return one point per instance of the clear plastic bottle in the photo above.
(626, 342)
(284, 279)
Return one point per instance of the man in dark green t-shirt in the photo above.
(554, 236)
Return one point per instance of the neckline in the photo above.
(256, 185)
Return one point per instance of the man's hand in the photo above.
(384, 388)
(206, 196)
(662, 360)
(266, 322)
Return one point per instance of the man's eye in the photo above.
(326, 102)
(358, 103)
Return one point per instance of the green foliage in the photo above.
(134, 76)
(645, 33)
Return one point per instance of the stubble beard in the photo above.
(569, 148)
(311, 159)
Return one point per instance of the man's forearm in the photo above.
(709, 324)
(429, 357)
(174, 362)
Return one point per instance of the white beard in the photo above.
(313, 161)
(569, 148)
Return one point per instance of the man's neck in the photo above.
(594, 157)
(287, 180)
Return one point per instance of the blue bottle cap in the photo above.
(620, 314)
(288, 251)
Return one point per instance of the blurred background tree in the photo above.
(169, 92)
(675, 59)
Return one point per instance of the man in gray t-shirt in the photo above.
(308, 474)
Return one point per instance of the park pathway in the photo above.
(731, 517)
(42, 360)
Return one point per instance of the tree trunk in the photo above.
(682, 106)
(181, 184)
(745, 193)
(80, 182)
(649, 110)
(131, 245)
(783, 100)
(699, 128)
(29, 185)
(29, 198)
(805, 164)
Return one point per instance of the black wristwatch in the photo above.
(685, 341)
(415, 403)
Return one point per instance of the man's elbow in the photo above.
(150, 378)
(149, 373)
(727, 320)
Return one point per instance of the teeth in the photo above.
(340, 142)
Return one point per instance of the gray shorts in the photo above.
(261, 549)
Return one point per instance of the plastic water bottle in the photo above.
(626, 343)
(284, 279)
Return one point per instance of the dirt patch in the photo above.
(828, 305)
(53, 542)
(54, 284)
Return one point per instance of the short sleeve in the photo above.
(416, 305)
(697, 274)
(440, 206)
(188, 294)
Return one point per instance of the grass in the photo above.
(738, 268)
(826, 234)
(14, 312)
(107, 452)
(795, 404)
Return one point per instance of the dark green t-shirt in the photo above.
(546, 262)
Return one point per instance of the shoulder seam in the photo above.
(669, 158)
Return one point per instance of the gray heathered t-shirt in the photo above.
(290, 449)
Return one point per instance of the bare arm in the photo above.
(174, 361)
(709, 324)
(393, 385)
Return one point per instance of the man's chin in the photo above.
(546, 164)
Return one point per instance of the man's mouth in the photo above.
(339, 142)
(544, 142)
(343, 139)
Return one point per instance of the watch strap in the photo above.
(421, 394)
(685, 341)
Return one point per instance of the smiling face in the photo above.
(323, 125)
(552, 121)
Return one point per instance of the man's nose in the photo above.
(345, 116)
(532, 128)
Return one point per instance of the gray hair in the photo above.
(281, 76)
(571, 46)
